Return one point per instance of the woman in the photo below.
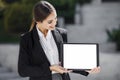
(40, 48)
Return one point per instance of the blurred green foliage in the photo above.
(66, 8)
(10, 1)
(114, 36)
(29, 1)
(16, 15)
(18, 18)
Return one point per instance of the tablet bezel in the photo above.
(97, 54)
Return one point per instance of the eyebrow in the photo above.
(54, 18)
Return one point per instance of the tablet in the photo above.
(80, 56)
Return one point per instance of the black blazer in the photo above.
(32, 60)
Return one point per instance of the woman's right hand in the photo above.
(59, 69)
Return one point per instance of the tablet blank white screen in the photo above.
(79, 56)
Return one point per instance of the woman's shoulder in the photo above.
(26, 35)
(61, 30)
(63, 33)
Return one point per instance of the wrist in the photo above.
(51, 68)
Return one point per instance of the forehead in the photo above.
(52, 16)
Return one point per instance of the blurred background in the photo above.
(87, 21)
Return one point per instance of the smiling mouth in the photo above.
(51, 27)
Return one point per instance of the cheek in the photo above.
(49, 26)
(46, 25)
(54, 23)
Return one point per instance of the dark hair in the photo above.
(41, 11)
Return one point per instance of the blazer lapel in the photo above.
(56, 36)
(37, 44)
(58, 41)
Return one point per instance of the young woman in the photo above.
(40, 48)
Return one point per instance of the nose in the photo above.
(54, 22)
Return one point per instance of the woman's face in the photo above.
(50, 22)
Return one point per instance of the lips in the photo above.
(52, 27)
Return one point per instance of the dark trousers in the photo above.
(58, 76)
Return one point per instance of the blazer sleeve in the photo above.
(24, 67)
(63, 33)
(83, 72)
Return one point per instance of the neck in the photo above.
(44, 31)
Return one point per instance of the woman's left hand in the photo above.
(94, 70)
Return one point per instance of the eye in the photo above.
(49, 22)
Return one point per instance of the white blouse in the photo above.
(49, 46)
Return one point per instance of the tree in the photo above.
(18, 18)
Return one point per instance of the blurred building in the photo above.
(96, 18)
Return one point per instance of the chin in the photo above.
(52, 28)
